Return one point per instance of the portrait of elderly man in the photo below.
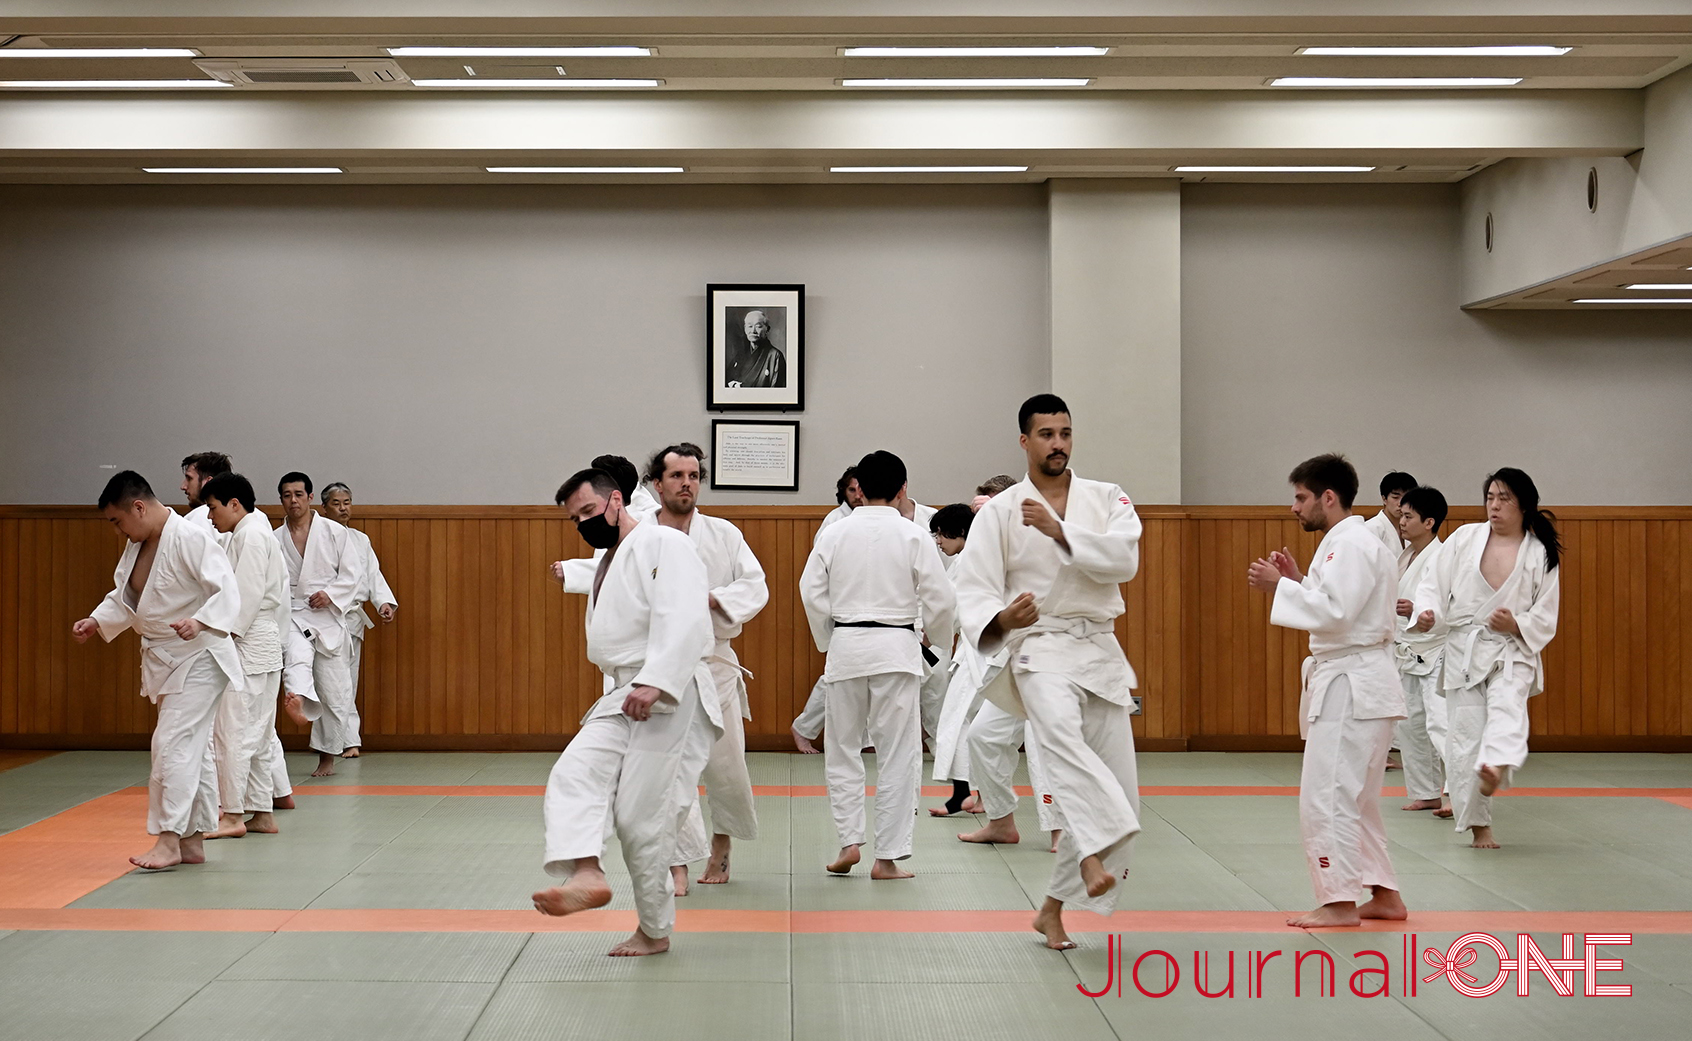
(753, 360)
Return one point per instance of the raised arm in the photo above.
(1109, 556)
(1325, 600)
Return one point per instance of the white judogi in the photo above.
(647, 625)
(373, 590)
(579, 571)
(643, 504)
(809, 723)
(1489, 676)
(737, 583)
(1351, 696)
(1382, 527)
(1420, 736)
(190, 578)
(200, 517)
(1066, 673)
(316, 649)
(245, 733)
(875, 566)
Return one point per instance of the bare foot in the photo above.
(972, 804)
(1049, 923)
(285, 802)
(294, 706)
(1386, 904)
(1093, 873)
(1490, 778)
(1483, 837)
(803, 743)
(1392, 764)
(883, 870)
(678, 877)
(263, 823)
(1444, 813)
(325, 765)
(717, 868)
(351, 753)
(639, 945)
(194, 848)
(229, 826)
(1421, 804)
(581, 893)
(1057, 833)
(1001, 832)
(848, 857)
(1327, 916)
(941, 811)
(166, 852)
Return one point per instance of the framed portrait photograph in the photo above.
(755, 454)
(755, 360)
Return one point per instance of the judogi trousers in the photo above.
(259, 796)
(1423, 759)
(619, 774)
(886, 705)
(1489, 725)
(241, 741)
(182, 785)
(728, 784)
(280, 786)
(1088, 747)
(994, 735)
(328, 677)
(810, 720)
(1339, 800)
(933, 699)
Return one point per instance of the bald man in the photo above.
(760, 363)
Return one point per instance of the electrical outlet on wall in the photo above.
(1137, 710)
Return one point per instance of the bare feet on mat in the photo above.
(283, 802)
(1483, 837)
(639, 945)
(325, 765)
(1093, 874)
(848, 858)
(1385, 905)
(1001, 832)
(1057, 833)
(1490, 778)
(351, 753)
(1421, 804)
(294, 707)
(941, 811)
(1049, 923)
(883, 870)
(229, 826)
(1444, 813)
(581, 893)
(803, 743)
(678, 878)
(972, 804)
(263, 824)
(1328, 916)
(717, 868)
(166, 852)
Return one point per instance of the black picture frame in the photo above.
(728, 354)
(729, 473)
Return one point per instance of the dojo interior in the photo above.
(1431, 262)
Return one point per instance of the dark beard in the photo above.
(1047, 464)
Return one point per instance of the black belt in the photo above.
(928, 654)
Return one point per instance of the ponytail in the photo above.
(1541, 523)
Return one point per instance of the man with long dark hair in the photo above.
(1494, 594)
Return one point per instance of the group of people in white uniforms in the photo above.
(217, 581)
(1370, 646)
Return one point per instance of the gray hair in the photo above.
(337, 486)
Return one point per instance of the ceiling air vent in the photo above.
(317, 73)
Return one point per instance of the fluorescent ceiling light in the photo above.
(971, 52)
(478, 83)
(98, 52)
(927, 169)
(1273, 169)
(519, 52)
(979, 83)
(109, 84)
(1485, 51)
(242, 169)
(1395, 81)
(585, 169)
(1661, 285)
(1639, 300)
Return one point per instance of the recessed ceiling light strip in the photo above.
(1274, 169)
(242, 169)
(979, 83)
(1412, 82)
(927, 169)
(111, 84)
(1514, 50)
(973, 52)
(98, 52)
(519, 52)
(585, 169)
(562, 83)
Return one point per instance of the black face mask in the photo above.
(598, 532)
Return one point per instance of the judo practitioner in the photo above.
(648, 631)
(372, 586)
(245, 732)
(1039, 581)
(1350, 697)
(1420, 735)
(197, 469)
(737, 593)
(174, 587)
(1384, 525)
(576, 573)
(324, 572)
(1493, 593)
(950, 528)
(848, 496)
(868, 581)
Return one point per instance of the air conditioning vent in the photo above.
(331, 73)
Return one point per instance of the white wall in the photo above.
(1325, 318)
(475, 345)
